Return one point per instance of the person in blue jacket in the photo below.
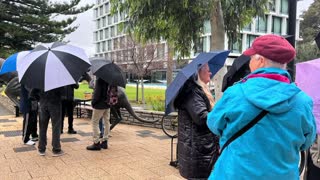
(270, 149)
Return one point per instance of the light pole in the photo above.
(292, 31)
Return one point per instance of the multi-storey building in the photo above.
(111, 41)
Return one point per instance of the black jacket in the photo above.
(52, 97)
(196, 143)
(68, 92)
(99, 100)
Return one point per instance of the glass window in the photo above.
(112, 31)
(109, 45)
(109, 19)
(276, 25)
(284, 7)
(96, 36)
(249, 42)
(272, 5)
(115, 43)
(106, 32)
(115, 17)
(122, 15)
(101, 34)
(98, 24)
(107, 8)
(104, 22)
(207, 27)
(199, 45)
(247, 27)
(103, 46)
(101, 10)
(261, 24)
(96, 13)
(205, 43)
(236, 45)
(98, 48)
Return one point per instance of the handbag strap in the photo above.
(244, 129)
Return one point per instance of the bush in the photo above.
(157, 102)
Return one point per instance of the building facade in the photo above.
(111, 41)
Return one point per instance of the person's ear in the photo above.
(262, 61)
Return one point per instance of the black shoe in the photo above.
(57, 153)
(94, 147)
(104, 145)
(72, 131)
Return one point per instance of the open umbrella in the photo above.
(239, 69)
(307, 78)
(10, 64)
(215, 61)
(50, 67)
(108, 71)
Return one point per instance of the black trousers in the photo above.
(313, 172)
(48, 111)
(67, 108)
(29, 125)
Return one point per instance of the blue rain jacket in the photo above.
(270, 149)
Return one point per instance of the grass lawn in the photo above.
(152, 95)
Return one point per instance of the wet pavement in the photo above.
(134, 152)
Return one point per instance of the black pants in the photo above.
(29, 125)
(67, 108)
(313, 172)
(48, 111)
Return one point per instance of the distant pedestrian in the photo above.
(50, 108)
(196, 144)
(270, 148)
(68, 106)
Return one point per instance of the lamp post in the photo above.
(292, 31)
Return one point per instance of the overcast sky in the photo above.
(83, 36)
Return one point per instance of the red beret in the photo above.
(273, 47)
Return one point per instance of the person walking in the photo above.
(101, 109)
(68, 106)
(29, 109)
(196, 144)
(50, 108)
(270, 148)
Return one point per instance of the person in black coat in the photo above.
(68, 106)
(196, 144)
(29, 109)
(101, 109)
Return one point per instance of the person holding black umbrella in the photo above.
(68, 106)
(101, 109)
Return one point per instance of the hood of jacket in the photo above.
(269, 94)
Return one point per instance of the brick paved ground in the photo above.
(134, 153)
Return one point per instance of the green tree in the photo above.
(310, 26)
(307, 51)
(26, 22)
(180, 22)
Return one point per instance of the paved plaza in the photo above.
(134, 153)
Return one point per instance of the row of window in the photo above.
(283, 9)
(108, 33)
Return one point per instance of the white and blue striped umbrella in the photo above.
(50, 67)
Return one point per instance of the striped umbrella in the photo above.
(50, 67)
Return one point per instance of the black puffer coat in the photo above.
(196, 143)
(99, 100)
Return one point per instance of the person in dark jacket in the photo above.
(29, 109)
(50, 107)
(196, 144)
(101, 109)
(68, 106)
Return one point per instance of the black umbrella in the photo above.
(238, 70)
(108, 71)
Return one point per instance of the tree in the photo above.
(307, 51)
(310, 26)
(180, 22)
(26, 22)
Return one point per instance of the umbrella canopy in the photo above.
(307, 78)
(10, 64)
(215, 61)
(108, 71)
(239, 69)
(50, 67)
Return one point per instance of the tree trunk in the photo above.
(169, 65)
(217, 43)
(142, 90)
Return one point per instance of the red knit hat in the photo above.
(273, 47)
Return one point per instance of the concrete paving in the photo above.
(134, 153)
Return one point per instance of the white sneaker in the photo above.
(30, 143)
